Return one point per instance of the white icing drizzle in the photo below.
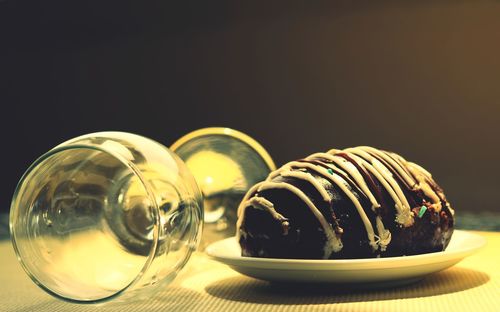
(424, 186)
(318, 170)
(353, 172)
(333, 243)
(333, 151)
(242, 206)
(250, 192)
(343, 185)
(452, 211)
(430, 180)
(422, 170)
(398, 167)
(364, 218)
(309, 178)
(286, 171)
(339, 172)
(342, 170)
(261, 202)
(384, 236)
(337, 179)
(401, 162)
(403, 210)
(404, 214)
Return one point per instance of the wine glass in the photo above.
(105, 215)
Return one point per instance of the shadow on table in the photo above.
(250, 290)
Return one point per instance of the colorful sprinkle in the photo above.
(422, 211)
(330, 171)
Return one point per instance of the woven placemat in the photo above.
(205, 285)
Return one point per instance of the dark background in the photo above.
(421, 78)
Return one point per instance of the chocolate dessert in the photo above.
(358, 202)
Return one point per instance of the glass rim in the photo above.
(147, 187)
(225, 131)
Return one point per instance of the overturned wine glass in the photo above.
(116, 215)
(225, 164)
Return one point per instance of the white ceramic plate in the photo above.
(355, 272)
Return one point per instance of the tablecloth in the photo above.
(205, 285)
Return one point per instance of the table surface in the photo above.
(205, 285)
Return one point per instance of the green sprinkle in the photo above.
(330, 171)
(422, 211)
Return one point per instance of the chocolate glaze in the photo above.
(299, 234)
